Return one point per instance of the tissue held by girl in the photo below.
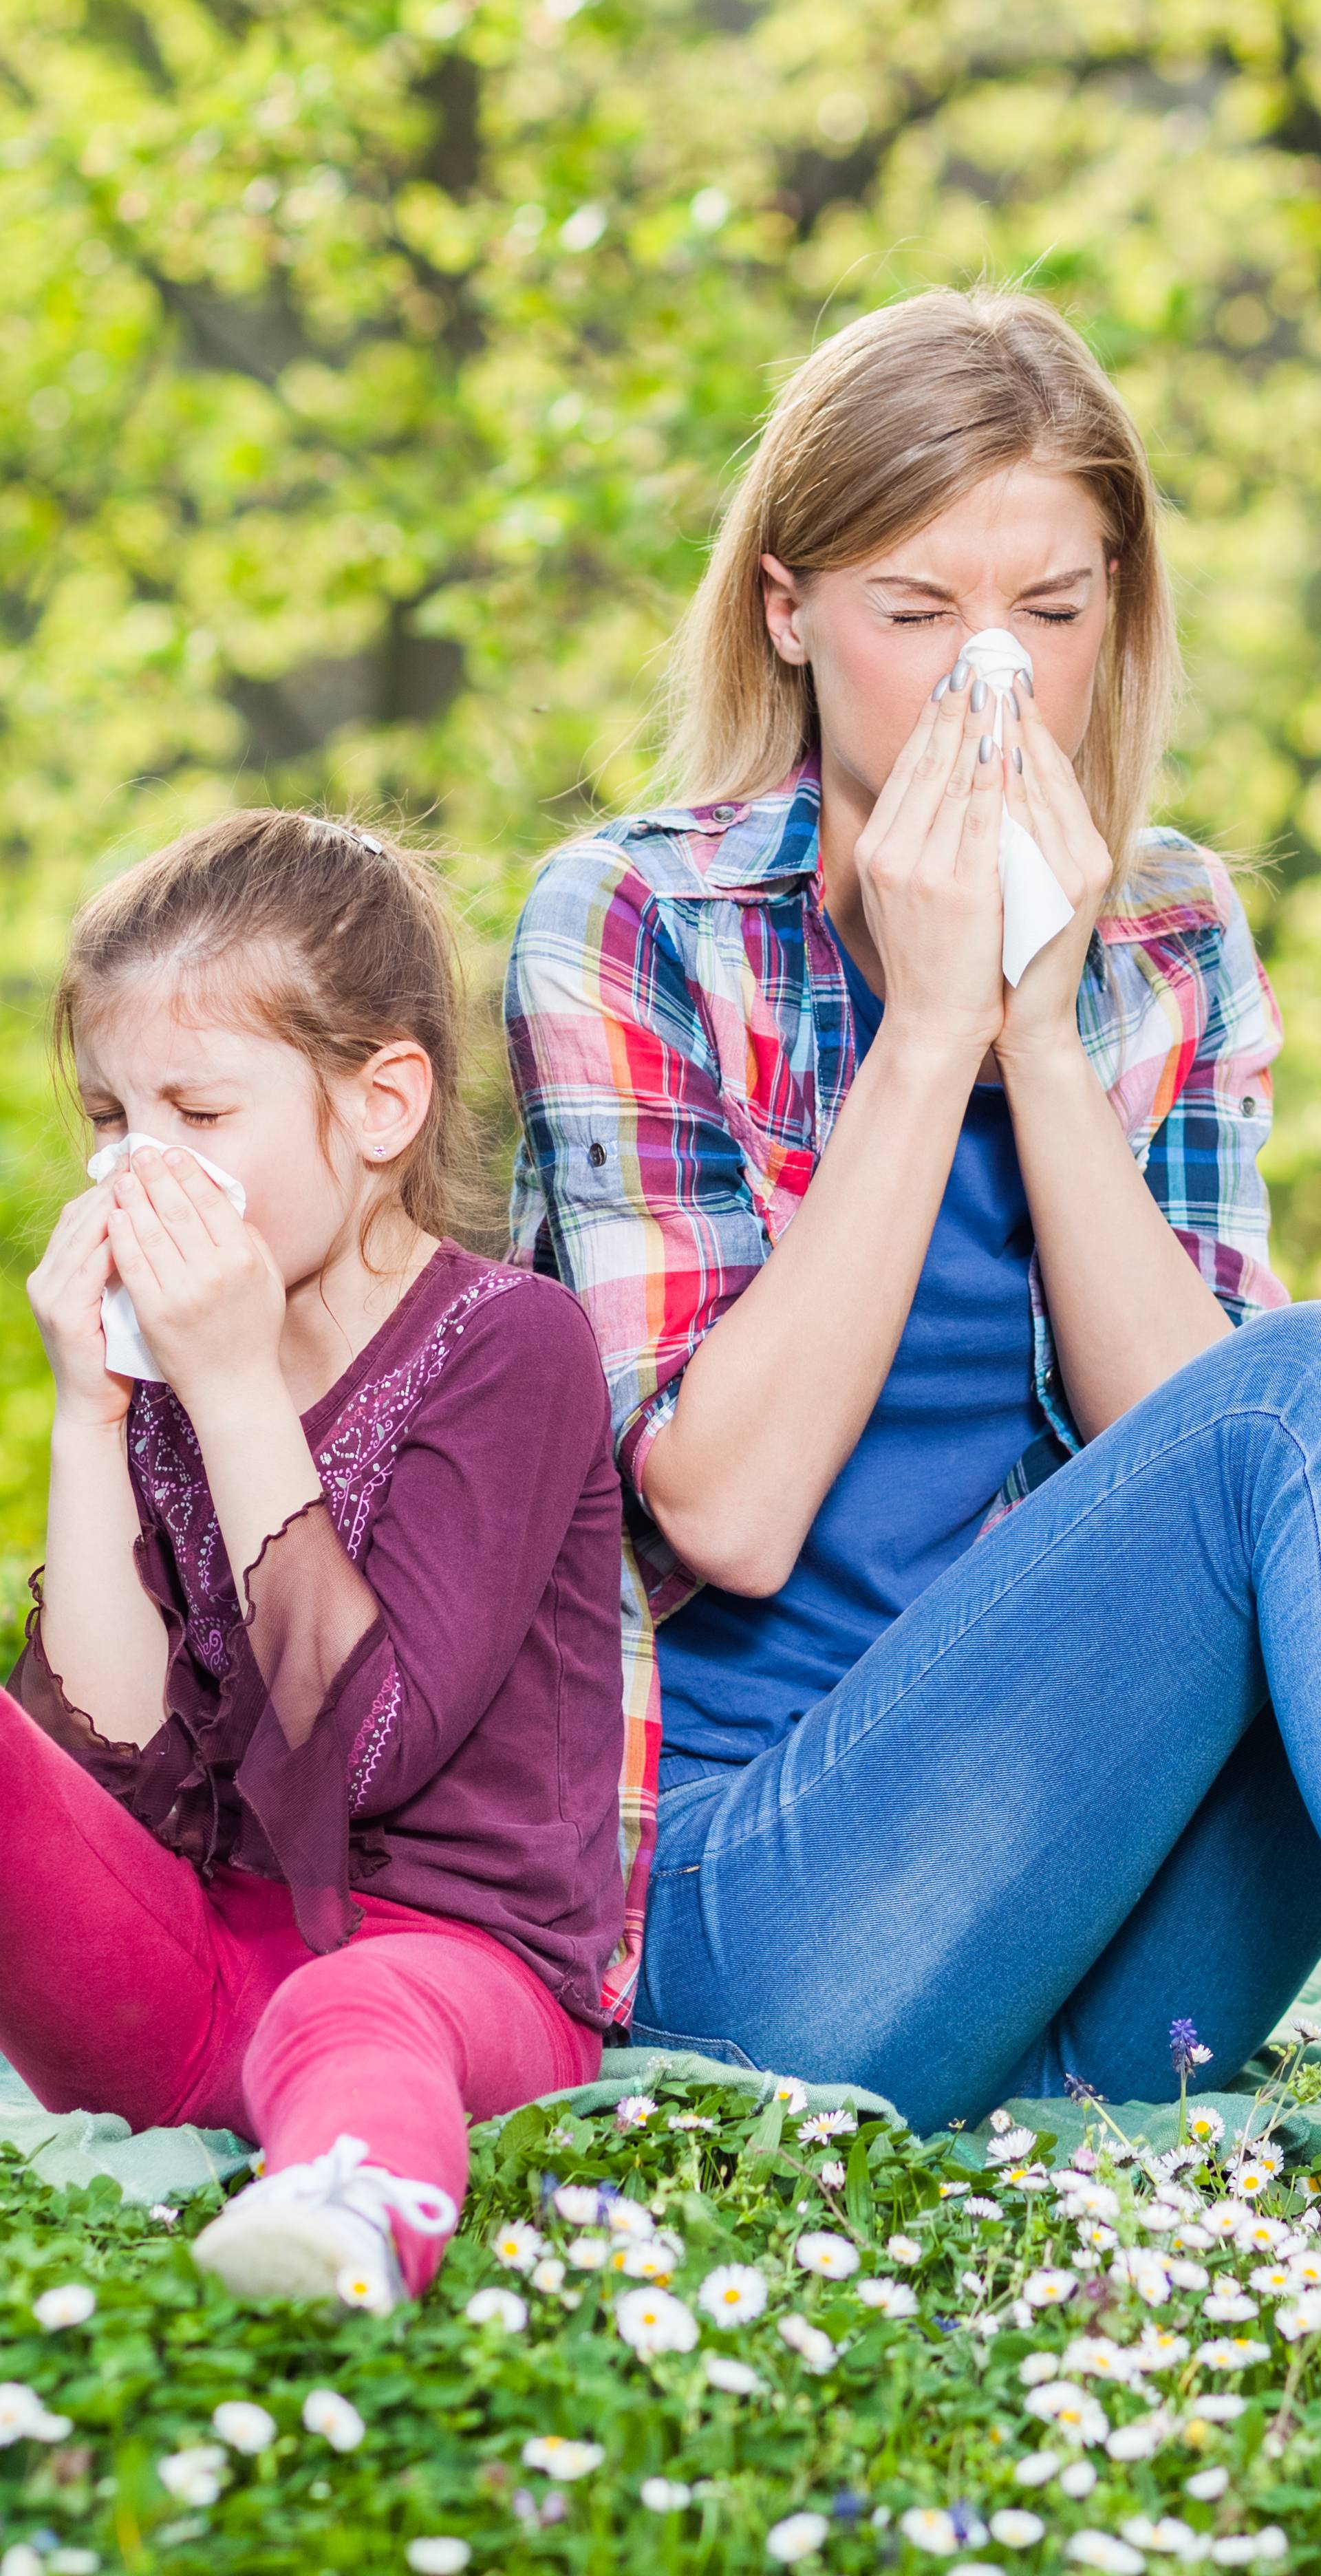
(896, 1229)
(310, 1772)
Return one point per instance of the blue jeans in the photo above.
(1073, 1791)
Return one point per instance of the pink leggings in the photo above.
(128, 1986)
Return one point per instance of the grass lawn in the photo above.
(914, 2364)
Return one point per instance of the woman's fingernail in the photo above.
(958, 678)
(1024, 681)
(1018, 760)
(941, 685)
(986, 746)
(1014, 707)
(978, 699)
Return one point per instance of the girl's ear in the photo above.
(782, 602)
(393, 1094)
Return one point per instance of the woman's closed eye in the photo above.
(932, 616)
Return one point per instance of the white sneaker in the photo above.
(322, 2231)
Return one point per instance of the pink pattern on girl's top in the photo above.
(426, 1691)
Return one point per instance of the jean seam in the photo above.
(1247, 1411)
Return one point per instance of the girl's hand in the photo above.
(209, 1298)
(65, 1293)
(928, 866)
(1041, 1014)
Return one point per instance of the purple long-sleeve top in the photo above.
(426, 1692)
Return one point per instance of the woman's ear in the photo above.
(393, 1095)
(782, 600)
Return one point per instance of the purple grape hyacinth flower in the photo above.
(1186, 2050)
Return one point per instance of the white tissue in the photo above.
(1035, 903)
(126, 1353)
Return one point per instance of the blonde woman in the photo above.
(875, 1243)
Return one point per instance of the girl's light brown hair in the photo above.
(882, 428)
(334, 939)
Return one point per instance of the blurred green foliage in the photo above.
(370, 373)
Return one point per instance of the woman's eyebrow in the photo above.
(1057, 581)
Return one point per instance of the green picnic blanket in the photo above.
(164, 2165)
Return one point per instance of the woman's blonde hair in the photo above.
(883, 427)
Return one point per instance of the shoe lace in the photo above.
(343, 2174)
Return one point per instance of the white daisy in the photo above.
(796, 2537)
(1215, 2408)
(1258, 2234)
(1069, 2409)
(1140, 2440)
(1249, 2177)
(163, 2213)
(813, 2347)
(665, 2495)
(1272, 2279)
(1190, 2237)
(561, 2458)
(1015, 2528)
(1250, 2548)
(1049, 2289)
(244, 2426)
(1025, 2177)
(635, 2110)
(832, 2256)
(792, 2094)
(1205, 2125)
(1101, 2358)
(1038, 2367)
(517, 2245)
(21, 2412)
(548, 2274)
(954, 2190)
(1077, 2480)
(193, 2474)
(931, 2529)
(1160, 2350)
(892, 2298)
(437, 2553)
(1169, 2537)
(981, 2206)
(652, 2321)
(588, 2253)
(1012, 2147)
(1233, 2352)
(733, 2377)
(1001, 2123)
(690, 2120)
(327, 2413)
(1188, 2276)
(1305, 2271)
(903, 2249)
(579, 2203)
(1207, 2486)
(733, 2294)
(1102, 2550)
(71, 2305)
(501, 2308)
(1229, 2307)
(626, 2217)
(832, 2174)
(1225, 2217)
(1302, 2317)
(1036, 2468)
(1088, 2199)
(824, 2125)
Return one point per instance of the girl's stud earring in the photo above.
(378, 1150)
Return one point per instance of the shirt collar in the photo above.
(764, 841)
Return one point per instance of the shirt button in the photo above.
(596, 1156)
(723, 813)
(1247, 1106)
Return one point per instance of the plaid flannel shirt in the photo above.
(681, 1040)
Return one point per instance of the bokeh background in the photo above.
(371, 374)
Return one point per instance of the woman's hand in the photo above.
(209, 1298)
(1041, 1013)
(928, 865)
(65, 1293)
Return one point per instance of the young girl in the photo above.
(877, 1238)
(310, 1771)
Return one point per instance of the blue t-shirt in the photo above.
(956, 1411)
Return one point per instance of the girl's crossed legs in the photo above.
(130, 1987)
(1051, 1808)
